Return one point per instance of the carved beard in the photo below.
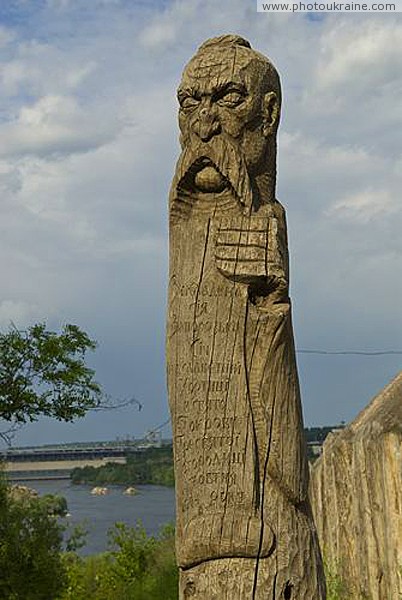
(221, 154)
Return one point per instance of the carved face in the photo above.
(224, 93)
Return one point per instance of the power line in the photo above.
(155, 429)
(133, 400)
(316, 351)
(110, 404)
(355, 352)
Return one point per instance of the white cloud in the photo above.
(88, 142)
(18, 313)
(364, 57)
(158, 35)
(365, 206)
(351, 91)
(6, 36)
(55, 125)
(25, 72)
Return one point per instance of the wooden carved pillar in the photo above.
(244, 525)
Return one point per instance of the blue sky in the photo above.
(88, 144)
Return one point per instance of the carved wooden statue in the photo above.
(244, 525)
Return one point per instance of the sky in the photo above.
(88, 145)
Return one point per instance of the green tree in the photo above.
(31, 565)
(154, 466)
(137, 568)
(43, 373)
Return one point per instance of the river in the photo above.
(153, 506)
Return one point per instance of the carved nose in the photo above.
(208, 125)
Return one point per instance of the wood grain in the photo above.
(356, 490)
(244, 524)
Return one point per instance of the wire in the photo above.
(132, 400)
(155, 429)
(110, 404)
(355, 352)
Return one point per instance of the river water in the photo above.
(153, 506)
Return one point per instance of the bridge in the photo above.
(57, 461)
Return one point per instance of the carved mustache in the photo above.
(224, 155)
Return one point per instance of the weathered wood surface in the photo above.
(244, 524)
(356, 490)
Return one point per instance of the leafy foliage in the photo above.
(151, 466)
(43, 373)
(137, 568)
(31, 564)
(319, 434)
(336, 587)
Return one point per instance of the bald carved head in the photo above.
(229, 113)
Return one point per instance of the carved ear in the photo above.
(271, 112)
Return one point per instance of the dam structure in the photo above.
(58, 460)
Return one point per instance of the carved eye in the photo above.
(231, 99)
(189, 102)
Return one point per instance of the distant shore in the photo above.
(153, 466)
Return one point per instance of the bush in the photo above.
(336, 587)
(137, 567)
(31, 537)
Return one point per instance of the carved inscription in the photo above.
(210, 423)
